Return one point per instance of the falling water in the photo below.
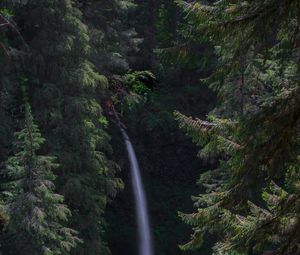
(145, 245)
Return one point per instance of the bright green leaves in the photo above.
(132, 88)
(137, 82)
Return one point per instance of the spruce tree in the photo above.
(37, 215)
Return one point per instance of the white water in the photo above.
(145, 243)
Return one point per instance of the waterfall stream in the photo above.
(144, 233)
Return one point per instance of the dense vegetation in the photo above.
(251, 203)
(72, 71)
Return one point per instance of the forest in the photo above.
(149, 127)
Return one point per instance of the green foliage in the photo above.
(72, 118)
(112, 39)
(62, 73)
(249, 206)
(132, 89)
(137, 82)
(37, 215)
(6, 12)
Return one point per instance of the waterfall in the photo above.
(145, 244)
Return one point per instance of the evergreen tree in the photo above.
(251, 200)
(66, 94)
(113, 40)
(70, 42)
(37, 215)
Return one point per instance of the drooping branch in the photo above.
(6, 23)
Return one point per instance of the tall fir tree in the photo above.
(113, 40)
(36, 215)
(58, 48)
(251, 200)
(66, 94)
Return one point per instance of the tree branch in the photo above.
(6, 22)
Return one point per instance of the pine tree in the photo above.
(36, 214)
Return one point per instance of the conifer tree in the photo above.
(66, 94)
(112, 38)
(251, 200)
(36, 214)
